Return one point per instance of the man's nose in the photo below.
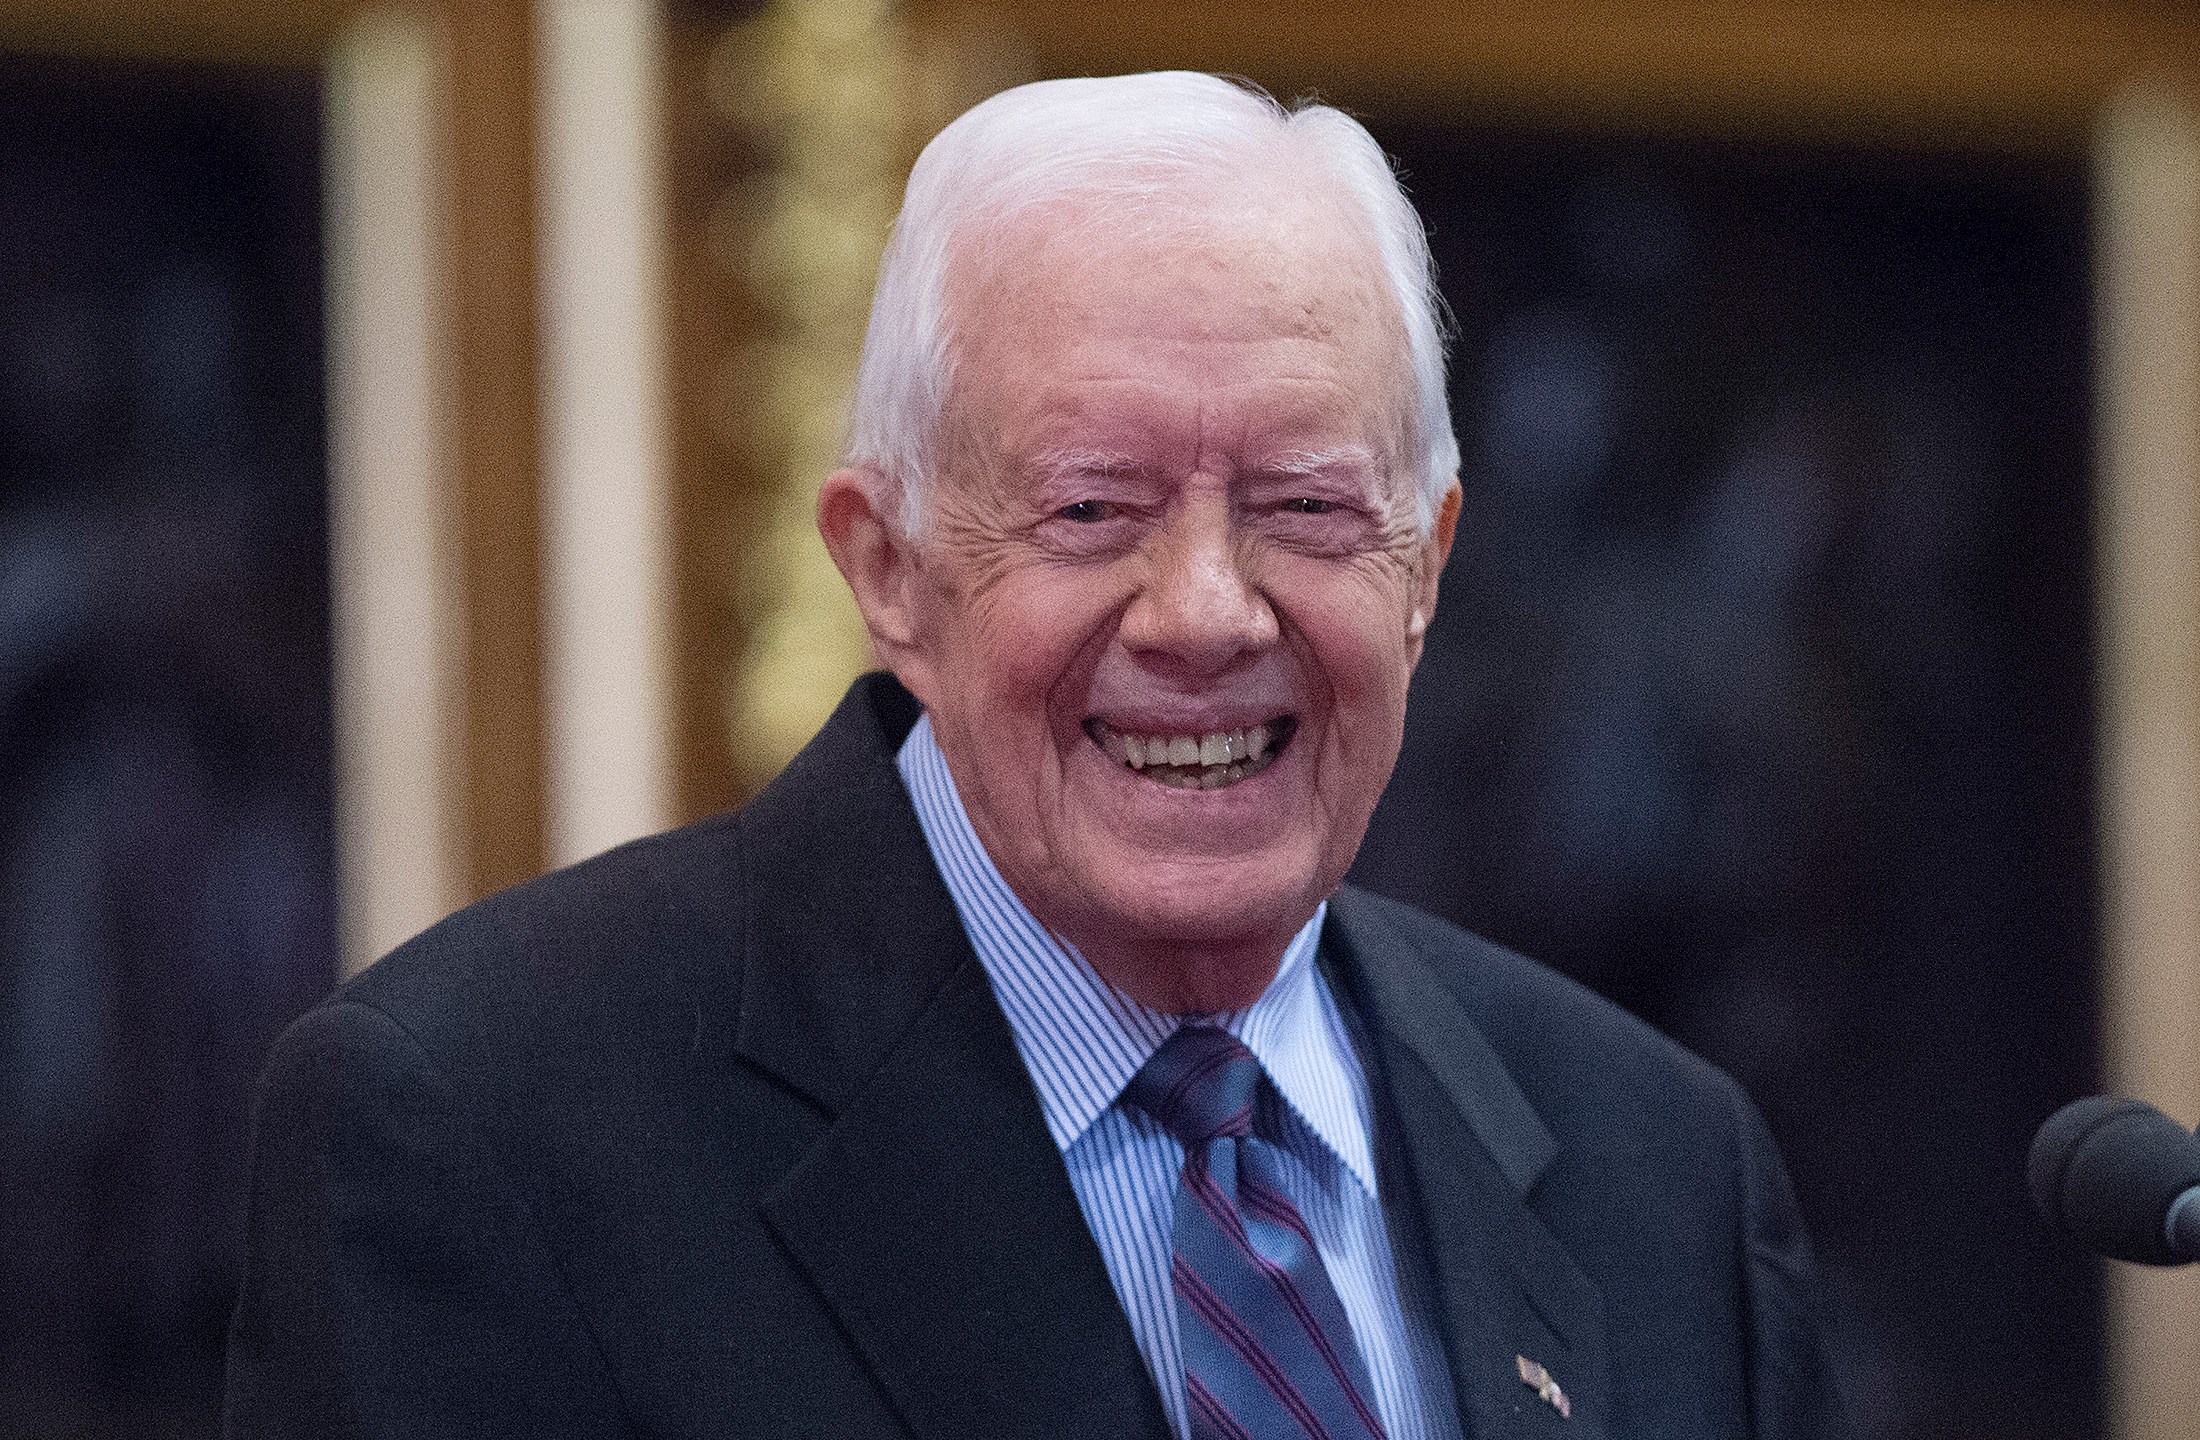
(1198, 609)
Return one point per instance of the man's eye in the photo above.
(1085, 511)
(1308, 505)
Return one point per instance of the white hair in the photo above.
(1128, 137)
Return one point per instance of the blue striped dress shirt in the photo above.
(1083, 1040)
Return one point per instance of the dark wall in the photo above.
(1759, 694)
(165, 834)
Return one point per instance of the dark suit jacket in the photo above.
(723, 1133)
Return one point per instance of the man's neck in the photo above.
(1207, 979)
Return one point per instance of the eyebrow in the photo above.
(1317, 464)
(1074, 461)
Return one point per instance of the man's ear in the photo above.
(855, 517)
(1436, 550)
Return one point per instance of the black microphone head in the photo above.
(2104, 1171)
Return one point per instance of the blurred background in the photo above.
(409, 422)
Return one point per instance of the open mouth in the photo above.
(1197, 762)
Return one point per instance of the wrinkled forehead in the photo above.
(1254, 254)
(1261, 217)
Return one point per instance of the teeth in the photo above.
(1192, 762)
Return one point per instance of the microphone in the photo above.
(2121, 1178)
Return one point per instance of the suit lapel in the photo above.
(1473, 1147)
(934, 1215)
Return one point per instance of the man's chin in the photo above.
(1200, 908)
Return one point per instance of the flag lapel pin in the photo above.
(1538, 1379)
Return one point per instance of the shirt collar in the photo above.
(1081, 1038)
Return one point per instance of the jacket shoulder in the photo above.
(645, 955)
(1586, 1064)
(601, 949)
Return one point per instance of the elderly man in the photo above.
(1014, 1065)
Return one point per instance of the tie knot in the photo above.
(1199, 1086)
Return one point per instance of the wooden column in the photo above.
(2147, 499)
(496, 426)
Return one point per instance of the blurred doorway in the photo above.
(1760, 697)
(166, 887)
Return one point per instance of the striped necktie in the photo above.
(1268, 1353)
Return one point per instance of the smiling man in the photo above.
(1180, 527)
(1015, 1065)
